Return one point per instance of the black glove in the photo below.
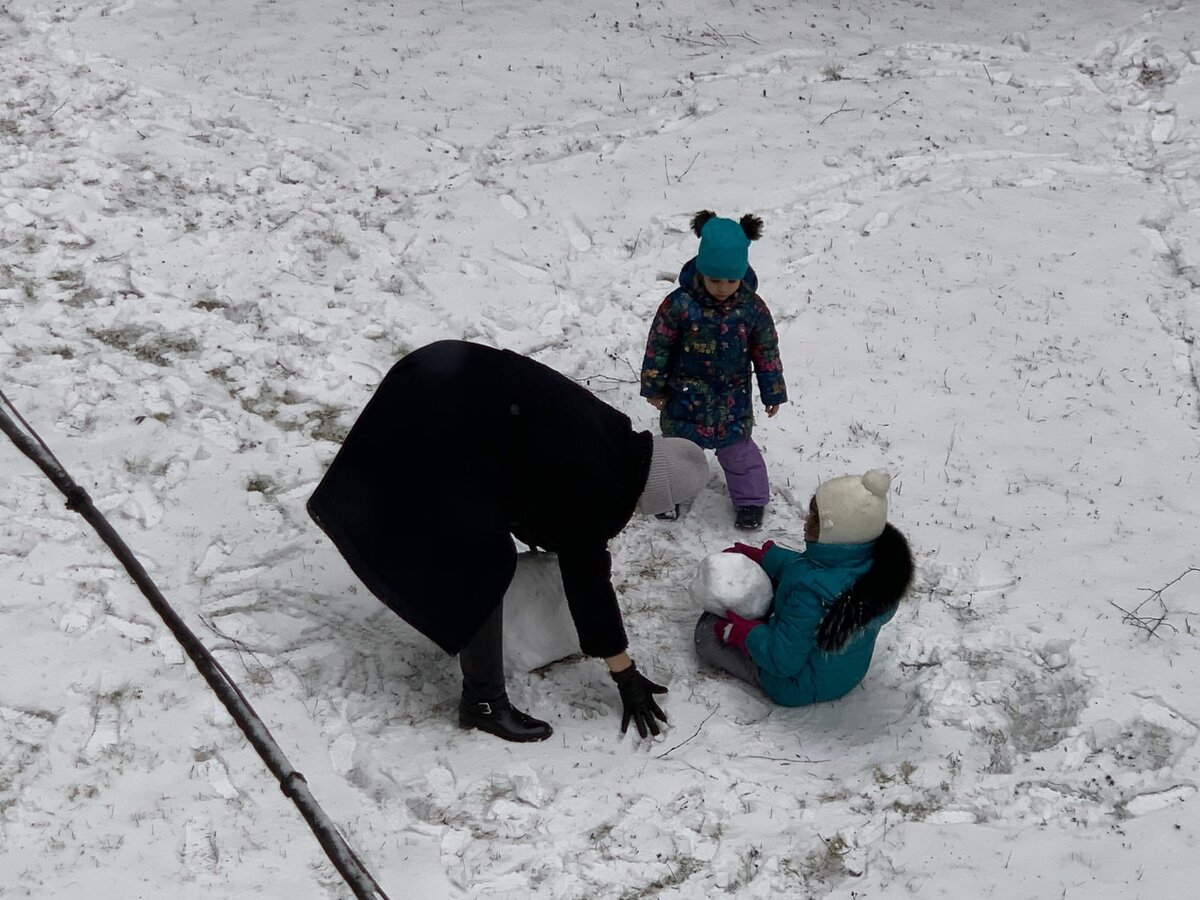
(637, 698)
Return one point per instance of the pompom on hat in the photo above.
(853, 508)
(724, 244)
(678, 472)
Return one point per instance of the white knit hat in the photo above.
(678, 472)
(853, 508)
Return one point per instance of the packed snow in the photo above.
(538, 629)
(731, 581)
(221, 223)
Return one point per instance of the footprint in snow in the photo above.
(341, 754)
(106, 732)
(533, 273)
(213, 771)
(579, 237)
(878, 222)
(513, 206)
(1141, 804)
(1163, 129)
(200, 852)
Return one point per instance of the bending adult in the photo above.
(461, 448)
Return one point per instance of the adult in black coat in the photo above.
(462, 447)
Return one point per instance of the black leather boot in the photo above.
(498, 717)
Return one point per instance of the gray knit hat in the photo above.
(678, 472)
(853, 509)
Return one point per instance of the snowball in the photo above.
(734, 582)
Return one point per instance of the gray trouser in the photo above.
(713, 651)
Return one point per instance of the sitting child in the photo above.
(830, 600)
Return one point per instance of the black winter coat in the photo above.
(460, 447)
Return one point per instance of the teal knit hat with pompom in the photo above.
(724, 244)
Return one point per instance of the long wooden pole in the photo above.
(291, 782)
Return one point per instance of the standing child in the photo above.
(706, 336)
(830, 600)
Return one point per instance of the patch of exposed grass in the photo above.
(681, 869)
(146, 345)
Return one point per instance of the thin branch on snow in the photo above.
(720, 37)
(710, 37)
(681, 175)
(841, 109)
(615, 357)
(785, 760)
(239, 646)
(696, 732)
(611, 382)
(1150, 622)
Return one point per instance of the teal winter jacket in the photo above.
(818, 641)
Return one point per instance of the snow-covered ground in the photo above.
(221, 223)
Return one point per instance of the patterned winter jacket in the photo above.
(699, 355)
(830, 602)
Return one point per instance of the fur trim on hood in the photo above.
(879, 589)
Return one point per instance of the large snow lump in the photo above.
(732, 581)
(538, 628)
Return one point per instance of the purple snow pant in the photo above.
(745, 473)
